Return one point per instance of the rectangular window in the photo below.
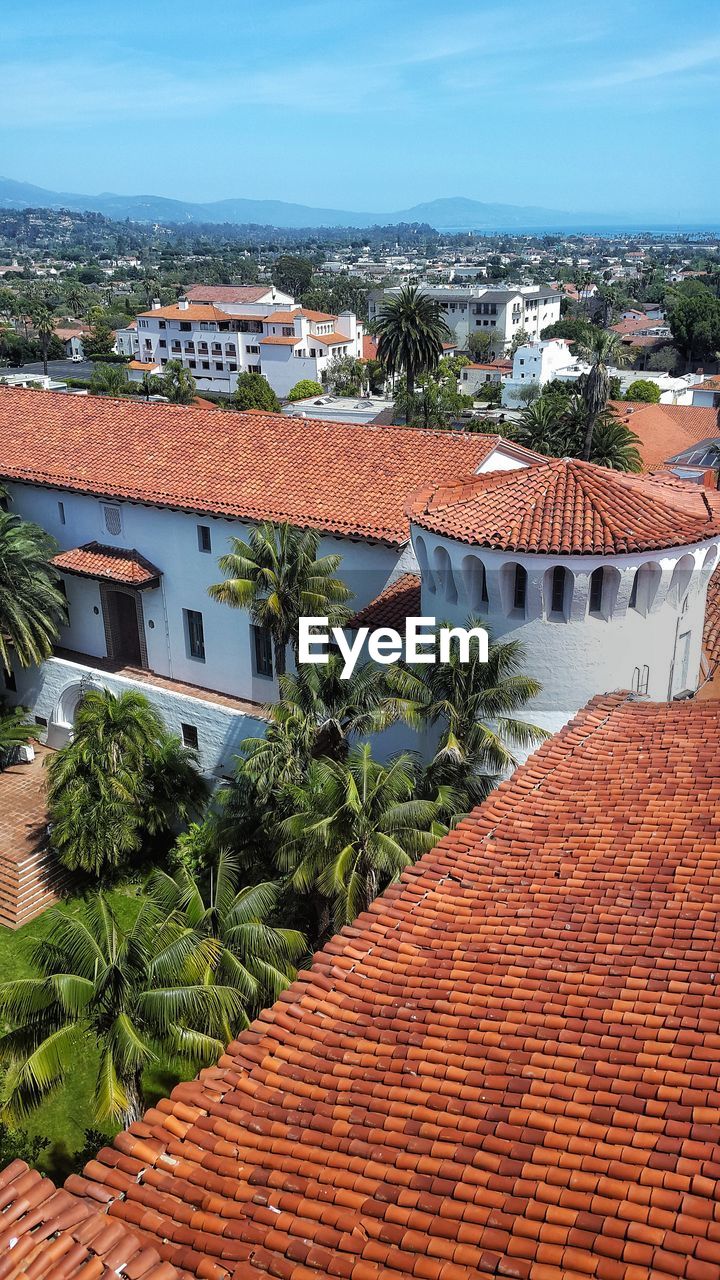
(520, 588)
(557, 604)
(262, 644)
(195, 634)
(189, 735)
(205, 364)
(10, 682)
(41, 721)
(204, 540)
(218, 365)
(596, 591)
(61, 512)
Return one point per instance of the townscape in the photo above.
(359, 723)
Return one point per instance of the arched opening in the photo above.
(428, 581)
(475, 583)
(603, 591)
(681, 580)
(645, 588)
(444, 575)
(557, 593)
(514, 585)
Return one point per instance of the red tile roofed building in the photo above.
(399, 600)
(508, 1066)
(665, 430)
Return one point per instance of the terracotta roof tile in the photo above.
(345, 478)
(666, 429)
(399, 600)
(567, 507)
(232, 293)
(711, 633)
(195, 311)
(508, 1066)
(46, 1234)
(110, 564)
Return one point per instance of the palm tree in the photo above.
(474, 706)
(277, 576)
(410, 333)
(541, 428)
(139, 994)
(151, 385)
(108, 380)
(356, 825)
(120, 780)
(317, 714)
(178, 384)
(44, 325)
(32, 606)
(15, 731)
(254, 957)
(601, 348)
(614, 445)
(77, 299)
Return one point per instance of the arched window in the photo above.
(597, 583)
(558, 592)
(444, 575)
(644, 588)
(520, 589)
(428, 581)
(475, 583)
(681, 579)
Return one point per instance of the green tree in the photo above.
(253, 391)
(100, 338)
(32, 606)
(572, 329)
(354, 828)
(121, 780)
(77, 299)
(541, 427)
(345, 375)
(253, 956)
(480, 345)
(472, 707)
(304, 389)
(276, 575)
(44, 326)
(614, 445)
(602, 348)
(141, 995)
(15, 731)
(694, 319)
(410, 333)
(178, 384)
(108, 380)
(520, 339)
(645, 390)
(292, 274)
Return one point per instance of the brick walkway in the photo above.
(29, 877)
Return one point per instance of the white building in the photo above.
(603, 577)
(475, 376)
(535, 363)
(143, 499)
(500, 311)
(216, 343)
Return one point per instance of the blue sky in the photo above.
(371, 105)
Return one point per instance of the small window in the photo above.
(596, 591)
(263, 652)
(61, 512)
(10, 681)
(520, 588)
(195, 634)
(189, 735)
(112, 519)
(204, 539)
(41, 721)
(557, 602)
(634, 591)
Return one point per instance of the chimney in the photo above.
(156, 304)
(183, 304)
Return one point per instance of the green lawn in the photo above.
(64, 1118)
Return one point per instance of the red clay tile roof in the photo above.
(110, 564)
(345, 478)
(276, 340)
(400, 600)
(566, 507)
(369, 347)
(195, 311)
(507, 1067)
(287, 317)
(330, 339)
(233, 293)
(46, 1234)
(666, 429)
(711, 633)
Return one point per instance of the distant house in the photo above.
(474, 376)
(71, 336)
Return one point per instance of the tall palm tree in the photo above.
(120, 780)
(601, 348)
(410, 334)
(108, 380)
(140, 995)
(540, 427)
(77, 299)
(276, 575)
(614, 445)
(356, 825)
(44, 325)
(32, 606)
(317, 714)
(256, 958)
(475, 706)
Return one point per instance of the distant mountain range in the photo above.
(454, 214)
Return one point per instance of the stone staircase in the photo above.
(30, 879)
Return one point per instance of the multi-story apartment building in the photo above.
(502, 312)
(267, 333)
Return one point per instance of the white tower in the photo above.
(602, 576)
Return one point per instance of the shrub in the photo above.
(304, 389)
(643, 389)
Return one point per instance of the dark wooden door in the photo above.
(124, 628)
